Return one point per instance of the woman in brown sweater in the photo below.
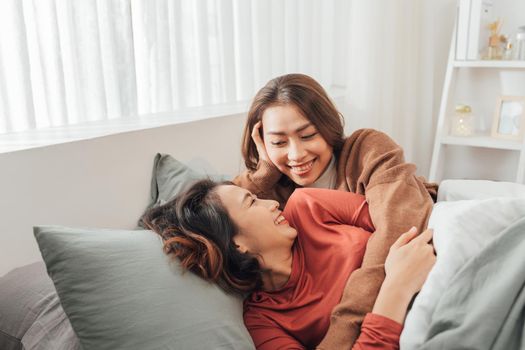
(294, 137)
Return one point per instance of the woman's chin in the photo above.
(302, 180)
(292, 233)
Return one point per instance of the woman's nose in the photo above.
(272, 205)
(296, 151)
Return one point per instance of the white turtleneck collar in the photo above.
(328, 178)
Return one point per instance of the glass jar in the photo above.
(462, 121)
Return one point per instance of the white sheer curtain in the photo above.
(71, 61)
(395, 68)
(64, 62)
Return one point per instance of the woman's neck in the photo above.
(328, 177)
(278, 270)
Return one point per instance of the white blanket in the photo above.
(461, 229)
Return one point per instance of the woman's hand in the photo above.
(407, 266)
(259, 143)
(410, 260)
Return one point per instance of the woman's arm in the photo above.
(267, 336)
(373, 164)
(407, 266)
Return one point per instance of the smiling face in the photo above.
(261, 227)
(294, 144)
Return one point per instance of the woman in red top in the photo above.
(294, 264)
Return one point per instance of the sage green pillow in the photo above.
(171, 177)
(120, 291)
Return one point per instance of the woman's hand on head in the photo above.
(259, 143)
(410, 260)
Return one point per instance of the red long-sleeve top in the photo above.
(333, 228)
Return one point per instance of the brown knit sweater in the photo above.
(372, 164)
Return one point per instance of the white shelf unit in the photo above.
(462, 78)
(490, 64)
(482, 141)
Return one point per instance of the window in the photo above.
(66, 62)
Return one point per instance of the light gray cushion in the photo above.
(456, 190)
(120, 291)
(31, 316)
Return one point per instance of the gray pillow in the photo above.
(31, 316)
(170, 177)
(120, 291)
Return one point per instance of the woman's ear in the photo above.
(239, 244)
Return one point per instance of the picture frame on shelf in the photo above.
(509, 118)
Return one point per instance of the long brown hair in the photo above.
(196, 228)
(306, 94)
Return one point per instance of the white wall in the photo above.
(102, 182)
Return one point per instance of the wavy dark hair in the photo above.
(309, 97)
(196, 228)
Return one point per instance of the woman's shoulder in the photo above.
(305, 195)
(364, 142)
(369, 136)
(305, 201)
(300, 203)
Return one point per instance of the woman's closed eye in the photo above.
(309, 136)
(277, 143)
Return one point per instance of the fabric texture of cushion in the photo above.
(31, 316)
(120, 291)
